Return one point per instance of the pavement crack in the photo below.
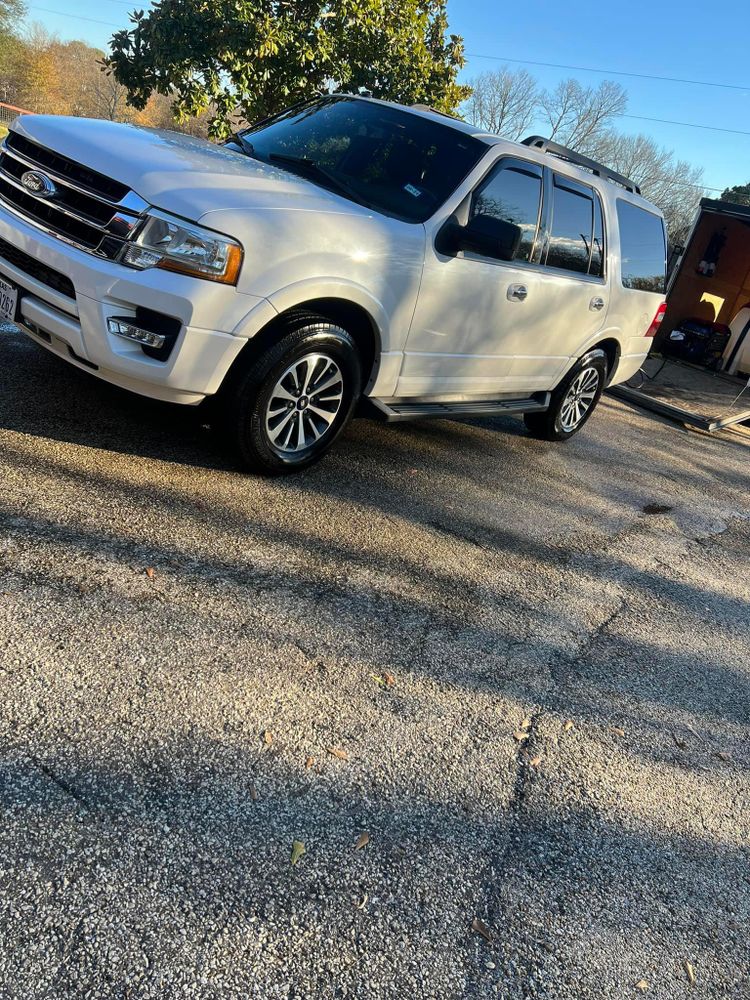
(61, 783)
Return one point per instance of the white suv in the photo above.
(345, 248)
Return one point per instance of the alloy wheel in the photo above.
(304, 403)
(579, 398)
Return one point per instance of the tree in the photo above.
(12, 13)
(11, 16)
(674, 185)
(739, 195)
(578, 116)
(258, 56)
(503, 102)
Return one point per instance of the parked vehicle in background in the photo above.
(347, 248)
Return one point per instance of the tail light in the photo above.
(656, 321)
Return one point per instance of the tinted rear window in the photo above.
(643, 248)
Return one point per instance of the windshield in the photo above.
(396, 162)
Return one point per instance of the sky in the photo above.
(663, 38)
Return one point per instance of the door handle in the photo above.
(517, 293)
(596, 303)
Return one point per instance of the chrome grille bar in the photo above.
(79, 216)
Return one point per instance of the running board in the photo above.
(404, 410)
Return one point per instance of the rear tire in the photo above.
(573, 401)
(284, 411)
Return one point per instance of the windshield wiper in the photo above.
(316, 171)
(247, 146)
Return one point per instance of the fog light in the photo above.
(124, 328)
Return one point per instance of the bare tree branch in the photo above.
(503, 102)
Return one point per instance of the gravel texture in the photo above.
(181, 647)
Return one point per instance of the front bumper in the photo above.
(75, 328)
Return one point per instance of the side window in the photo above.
(513, 193)
(572, 229)
(643, 248)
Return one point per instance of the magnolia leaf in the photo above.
(362, 841)
(481, 927)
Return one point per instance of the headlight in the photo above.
(168, 242)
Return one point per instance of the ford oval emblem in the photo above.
(38, 184)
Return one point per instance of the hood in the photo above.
(179, 173)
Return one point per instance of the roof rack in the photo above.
(548, 146)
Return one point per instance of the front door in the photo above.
(487, 327)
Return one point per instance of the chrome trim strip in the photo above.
(54, 233)
(85, 219)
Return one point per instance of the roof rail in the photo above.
(548, 146)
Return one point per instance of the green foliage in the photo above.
(740, 194)
(256, 57)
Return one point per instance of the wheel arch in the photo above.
(612, 349)
(353, 316)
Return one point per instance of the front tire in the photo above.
(286, 410)
(573, 401)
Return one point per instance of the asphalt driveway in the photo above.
(522, 669)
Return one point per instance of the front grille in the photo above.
(36, 269)
(89, 210)
(81, 176)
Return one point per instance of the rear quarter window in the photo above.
(643, 248)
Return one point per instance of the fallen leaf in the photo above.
(253, 792)
(679, 741)
(642, 985)
(723, 755)
(335, 752)
(150, 572)
(520, 735)
(655, 508)
(690, 971)
(481, 928)
(535, 761)
(309, 763)
(298, 849)
(617, 731)
(267, 737)
(567, 725)
(389, 679)
(362, 841)
(526, 724)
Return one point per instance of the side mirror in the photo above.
(484, 234)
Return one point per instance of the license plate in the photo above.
(8, 298)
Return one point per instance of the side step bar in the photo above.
(397, 410)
